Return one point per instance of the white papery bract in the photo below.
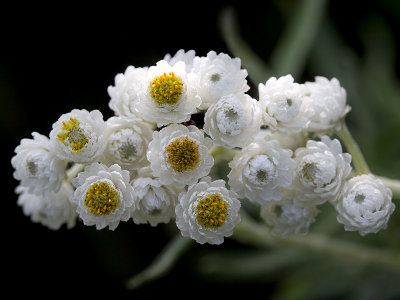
(260, 170)
(218, 75)
(281, 101)
(233, 120)
(365, 204)
(36, 167)
(125, 92)
(181, 55)
(155, 202)
(78, 136)
(180, 154)
(289, 140)
(321, 169)
(51, 210)
(288, 217)
(127, 139)
(325, 103)
(207, 212)
(166, 108)
(103, 195)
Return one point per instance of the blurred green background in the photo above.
(60, 57)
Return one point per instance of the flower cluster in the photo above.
(150, 162)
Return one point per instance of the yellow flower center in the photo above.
(101, 199)
(183, 154)
(211, 211)
(73, 135)
(166, 89)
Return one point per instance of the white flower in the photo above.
(207, 212)
(126, 142)
(126, 91)
(181, 55)
(288, 217)
(281, 102)
(365, 205)
(78, 136)
(51, 210)
(289, 140)
(218, 75)
(260, 170)
(180, 154)
(321, 170)
(155, 202)
(38, 169)
(103, 195)
(325, 101)
(233, 120)
(168, 95)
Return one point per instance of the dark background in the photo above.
(55, 58)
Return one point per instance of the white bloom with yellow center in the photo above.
(288, 217)
(181, 55)
(103, 195)
(168, 95)
(325, 102)
(365, 204)
(127, 139)
(233, 120)
(218, 75)
(207, 212)
(260, 170)
(38, 169)
(51, 210)
(78, 136)
(321, 170)
(180, 154)
(281, 101)
(155, 202)
(125, 92)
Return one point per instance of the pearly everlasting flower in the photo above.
(180, 154)
(51, 210)
(155, 202)
(281, 101)
(216, 76)
(233, 120)
(168, 95)
(288, 217)
(207, 212)
(127, 140)
(38, 169)
(365, 205)
(289, 140)
(325, 102)
(260, 170)
(181, 55)
(103, 195)
(321, 170)
(126, 91)
(78, 136)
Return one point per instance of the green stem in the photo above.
(256, 234)
(74, 170)
(163, 262)
(393, 184)
(352, 147)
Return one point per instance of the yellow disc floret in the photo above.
(211, 211)
(166, 89)
(183, 154)
(101, 199)
(73, 134)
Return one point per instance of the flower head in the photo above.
(51, 210)
(321, 170)
(233, 120)
(207, 212)
(216, 76)
(38, 169)
(103, 195)
(78, 136)
(365, 204)
(180, 154)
